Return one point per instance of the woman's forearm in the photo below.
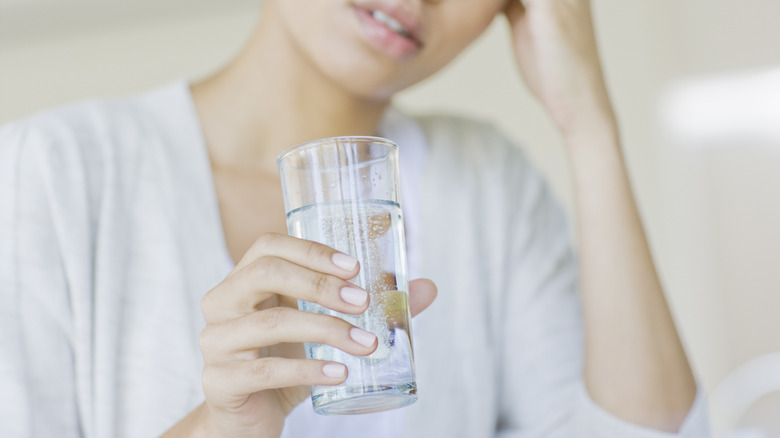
(635, 365)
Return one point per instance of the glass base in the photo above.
(361, 400)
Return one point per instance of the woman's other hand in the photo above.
(635, 366)
(556, 51)
(255, 371)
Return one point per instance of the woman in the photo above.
(121, 215)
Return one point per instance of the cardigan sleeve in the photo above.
(544, 394)
(37, 389)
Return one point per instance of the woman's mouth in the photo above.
(389, 32)
(391, 23)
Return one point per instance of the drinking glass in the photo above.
(344, 192)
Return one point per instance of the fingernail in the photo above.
(344, 261)
(354, 296)
(362, 337)
(334, 370)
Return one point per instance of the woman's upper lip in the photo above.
(408, 16)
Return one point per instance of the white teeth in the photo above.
(392, 23)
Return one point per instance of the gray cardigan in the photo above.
(110, 234)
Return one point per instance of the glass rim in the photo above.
(336, 140)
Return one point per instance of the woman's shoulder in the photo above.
(470, 144)
(470, 140)
(91, 136)
(91, 123)
(84, 153)
(473, 157)
(453, 125)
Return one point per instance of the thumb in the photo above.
(422, 292)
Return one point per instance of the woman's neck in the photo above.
(269, 98)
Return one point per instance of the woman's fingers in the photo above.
(245, 288)
(313, 255)
(422, 292)
(233, 339)
(291, 267)
(231, 382)
(556, 50)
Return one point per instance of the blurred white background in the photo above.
(695, 83)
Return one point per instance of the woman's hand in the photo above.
(255, 371)
(557, 54)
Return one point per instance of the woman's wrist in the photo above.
(592, 121)
(592, 132)
(196, 424)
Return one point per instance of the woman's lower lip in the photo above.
(384, 39)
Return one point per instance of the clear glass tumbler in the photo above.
(344, 192)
